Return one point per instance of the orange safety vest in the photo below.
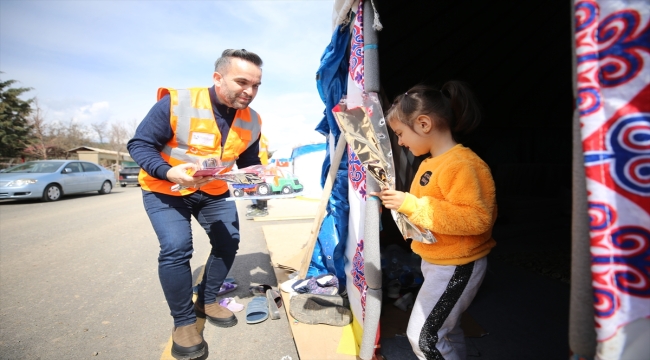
(264, 150)
(197, 137)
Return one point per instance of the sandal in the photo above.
(259, 290)
(231, 304)
(257, 310)
(226, 287)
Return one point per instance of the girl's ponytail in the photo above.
(453, 106)
(465, 111)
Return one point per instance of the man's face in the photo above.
(237, 85)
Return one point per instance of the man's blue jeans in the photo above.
(171, 219)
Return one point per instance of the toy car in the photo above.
(277, 182)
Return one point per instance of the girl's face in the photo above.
(416, 140)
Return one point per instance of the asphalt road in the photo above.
(78, 280)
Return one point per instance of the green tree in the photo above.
(14, 126)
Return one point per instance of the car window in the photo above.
(90, 167)
(36, 167)
(75, 167)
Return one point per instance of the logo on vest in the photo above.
(425, 178)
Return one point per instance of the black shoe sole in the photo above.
(222, 323)
(188, 356)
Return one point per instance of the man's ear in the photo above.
(424, 122)
(216, 78)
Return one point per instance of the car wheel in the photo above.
(263, 189)
(52, 193)
(237, 193)
(123, 185)
(287, 190)
(106, 188)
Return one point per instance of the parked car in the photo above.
(51, 179)
(129, 176)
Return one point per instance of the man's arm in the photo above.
(250, 156)
(151, 136)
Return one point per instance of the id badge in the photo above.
(202, 139)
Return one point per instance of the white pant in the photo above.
(434, 326)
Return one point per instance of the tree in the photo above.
(40, 133)
(70, 134)
(118, 136)
(100, 130)
(14, 126)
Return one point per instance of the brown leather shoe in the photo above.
(216, 314)
(187, 342)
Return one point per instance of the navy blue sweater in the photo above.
(155, 131)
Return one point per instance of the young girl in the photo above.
(453, 196)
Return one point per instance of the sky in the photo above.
(103, 61)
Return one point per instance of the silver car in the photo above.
(51, 179)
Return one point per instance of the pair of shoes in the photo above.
(187, 342)
(326, 284)
(405, 303)
(215, 314)
(256, 213)
(320, 309)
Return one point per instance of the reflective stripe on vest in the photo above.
(191, 114)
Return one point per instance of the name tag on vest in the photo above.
(202, 139)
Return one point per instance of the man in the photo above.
(183, 128)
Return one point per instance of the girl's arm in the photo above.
(466, 208)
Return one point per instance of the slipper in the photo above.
(326, 280)
(275, 297)
(273, 306)
(257, 310)
(226, 287)
(287, 286)
(311, 285)
(259, 290)
(231, 304)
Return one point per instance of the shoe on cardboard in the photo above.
(187, 342)
(216, 314)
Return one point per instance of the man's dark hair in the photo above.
(223, 62)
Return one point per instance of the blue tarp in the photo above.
(306, 149)
(331, 80)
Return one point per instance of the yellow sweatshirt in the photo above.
(453, 196)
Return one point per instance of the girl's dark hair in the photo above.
(453, 107)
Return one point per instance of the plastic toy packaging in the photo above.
(253, 182)
(364, 128)
(262, 182)
(207, 167)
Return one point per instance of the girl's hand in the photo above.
(391, 199)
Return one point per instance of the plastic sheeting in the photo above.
(331, 81)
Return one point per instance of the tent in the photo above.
(304, 161)
(565, 93)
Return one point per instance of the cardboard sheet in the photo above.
(286, 244)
